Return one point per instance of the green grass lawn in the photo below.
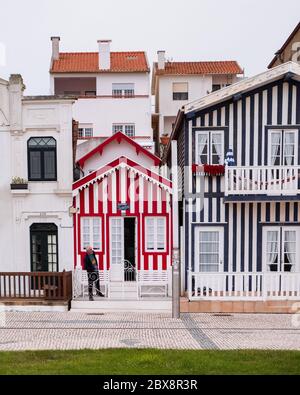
(147, 361)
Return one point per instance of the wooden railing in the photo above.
(244, 286)
(36, 285)
(266, 180)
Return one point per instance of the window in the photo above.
(281, 248)
(91, 233)
(155, 234)
(210, 147)
(283, 147)
(85, 131)
(216, 87)
(42, 159)
(128, 129)
(209, 247)
(180, 91)
(123, 90)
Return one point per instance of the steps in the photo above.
(123, 290)
(151, 305)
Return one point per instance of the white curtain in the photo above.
(209, 257)
(276, 137)
(217, 144)
(290, 246)
(202, 143)
(273, 247)
(289, 147)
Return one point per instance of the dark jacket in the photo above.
(88, 266)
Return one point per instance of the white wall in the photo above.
(43, 202)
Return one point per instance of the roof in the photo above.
(88, 62)
(289, 39)
(121, 162)
(118, 137)
(211, 67)
(249, 84)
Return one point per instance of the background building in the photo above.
(113, 90)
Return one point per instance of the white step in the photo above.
(152, 305)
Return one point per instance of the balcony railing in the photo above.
(244, 286)
(262, 180)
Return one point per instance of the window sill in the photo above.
(20, 192)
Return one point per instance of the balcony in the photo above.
(257, 181)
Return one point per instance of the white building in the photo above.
(174, 84)
(36, 146)
(113, 90)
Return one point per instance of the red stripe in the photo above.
(100, 197)
(74, 233)
(155, 263)
(91, 199)
(163, 201)
(118, 187)
(109, 194)
(137, 194)
(146, 262)
(145, 199)
(164, 262)
(154, 198)
(81, 202)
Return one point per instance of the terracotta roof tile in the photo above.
(87, 62)
(211, 67)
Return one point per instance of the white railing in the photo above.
(244, 286)
(266, 180)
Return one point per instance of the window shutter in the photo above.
(179, 87)
(49, 165)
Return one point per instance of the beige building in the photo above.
(290, 51)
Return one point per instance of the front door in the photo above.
(209, 249)
(122, 249)
(44, 252)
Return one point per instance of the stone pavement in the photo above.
(62, 331)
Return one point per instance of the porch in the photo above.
(261, 180)
(259, 286)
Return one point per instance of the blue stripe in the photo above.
(234, 222)
(219, 117)
(251, 130)
(298, 104)
(227, 125)
(259, 239)
(277, 212)
(242, 237)
(295, 211)
(290, 103)
(226, 237)
(260, 127)
(268, 210)
(287, 211)
(279, 103)
(250, 217)
(235, 131)
(243, 137)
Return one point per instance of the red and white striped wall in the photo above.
(146, 193)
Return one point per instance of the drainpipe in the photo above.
(175, 252)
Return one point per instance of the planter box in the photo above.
(273, 267)
(288, 267)
(18, 186)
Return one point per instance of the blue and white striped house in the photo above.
(240, 224)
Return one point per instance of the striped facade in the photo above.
(245, 120)
(145, 194)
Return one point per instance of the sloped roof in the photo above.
(289, 39)
(88, 62)
(118, 137)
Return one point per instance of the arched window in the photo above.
(42, 159)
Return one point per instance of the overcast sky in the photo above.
(249, 31)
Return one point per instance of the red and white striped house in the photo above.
(123, 209)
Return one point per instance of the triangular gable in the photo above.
(120, 163)
(119, 137)
(244, 86)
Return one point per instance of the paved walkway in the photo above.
(40, 331)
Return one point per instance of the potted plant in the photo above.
(18, 183)
(164, 140)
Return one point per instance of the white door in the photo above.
(116, 249)
(209, 249)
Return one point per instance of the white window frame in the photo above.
(210, 154)
(156, 234)
(211, 229)
(121, 127)
(84, 131)
(123, 90)
(92, 240)
(281, 230)
(282, 131)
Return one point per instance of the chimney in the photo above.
(55, 47)
(161, 56)
(104, 54)
(16, 88)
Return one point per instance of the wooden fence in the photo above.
(36, 285)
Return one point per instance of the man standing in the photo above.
(91, 266)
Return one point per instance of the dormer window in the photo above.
(42, 164)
